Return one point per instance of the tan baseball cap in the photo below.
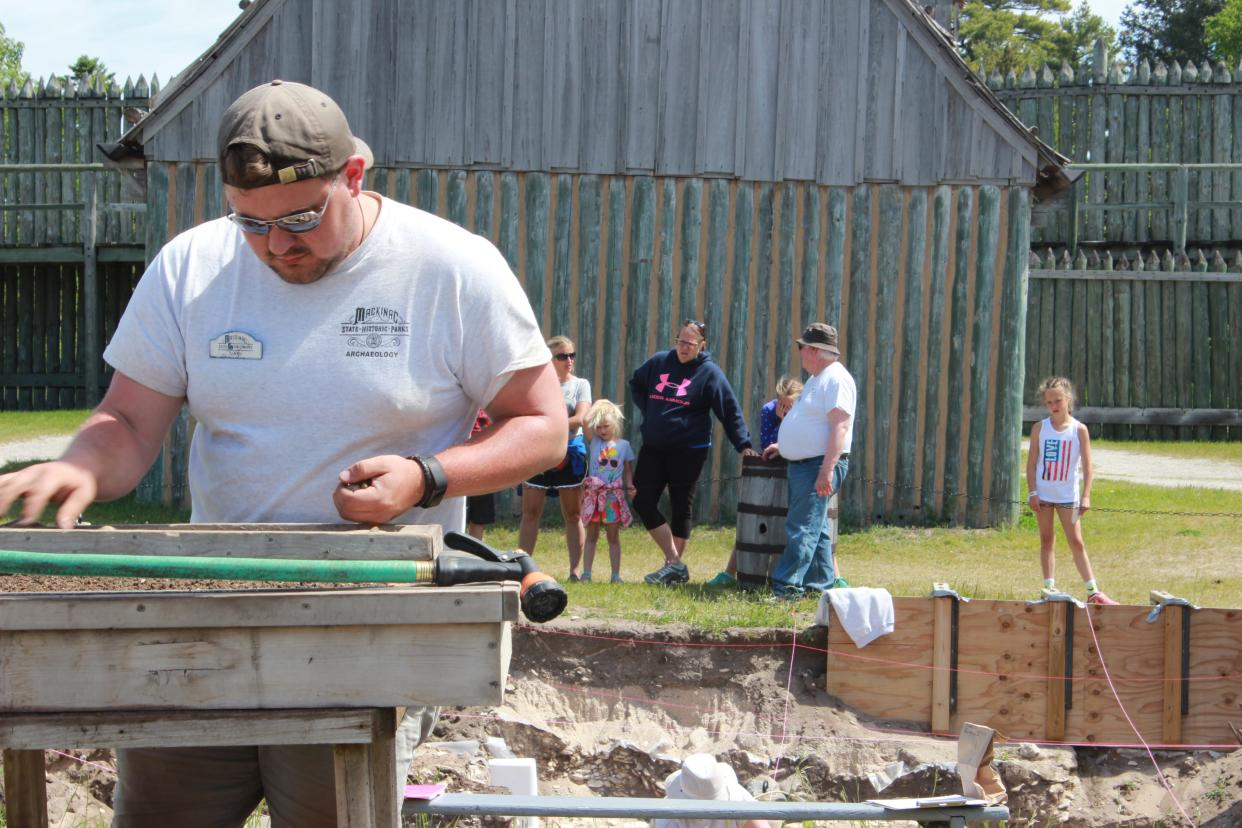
(301, 130)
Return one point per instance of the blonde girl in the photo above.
(610, 479)
(565, 478)
(1058, 475)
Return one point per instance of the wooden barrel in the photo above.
(763, 502)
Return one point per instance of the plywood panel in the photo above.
(891, 678)
(1002, 663)
(1216, 676)
(1132, 649)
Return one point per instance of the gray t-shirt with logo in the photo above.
(392, 352)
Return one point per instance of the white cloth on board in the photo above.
(866, 613)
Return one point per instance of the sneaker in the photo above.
(616, 579)
(722, 579)
(1101, 598)
(788, 596)
(586, 576)
(840, 583)
(669, 574)
(573, 578)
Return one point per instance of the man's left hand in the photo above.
(749, 452)
(378, 489)
(823, 481)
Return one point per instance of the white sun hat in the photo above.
(702, 777)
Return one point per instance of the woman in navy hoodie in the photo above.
(678, 391)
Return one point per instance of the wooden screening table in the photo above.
(242, 667)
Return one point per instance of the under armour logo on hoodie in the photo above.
(680, 387)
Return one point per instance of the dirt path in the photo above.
(36, 448)
(1156, 470)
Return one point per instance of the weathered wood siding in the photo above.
(926, 284)
(1161, 334)
(828, 91)
(1109, 112)
(42, 306)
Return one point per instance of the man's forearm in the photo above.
(511, 451)
(108, 447)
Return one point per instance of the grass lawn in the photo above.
(1199, 558)
(25, 425)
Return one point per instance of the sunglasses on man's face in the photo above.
(303, 221)
(565, 357)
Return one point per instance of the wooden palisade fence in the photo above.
(1153, 344)
(1104, 112)
(616, 262)
(64, 220)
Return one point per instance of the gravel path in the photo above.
(37, 448)
(1155, 470)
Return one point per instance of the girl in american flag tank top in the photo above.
(1058, 476)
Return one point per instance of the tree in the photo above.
(87, 69)
(1079, 32)
(1167, 30)
(1223, 32)
(11, 59)
(1009, 35)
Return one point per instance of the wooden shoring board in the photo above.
(1004, 676)
(311, 541)
(1215, 650)
(1002, 662)
(1133, 649)
(864, 679)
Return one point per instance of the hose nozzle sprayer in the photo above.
(542, 598)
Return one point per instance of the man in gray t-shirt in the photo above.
(321, 336)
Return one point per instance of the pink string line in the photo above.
(911, 665)
(793, 653)
(1129, 721)
(86, 762)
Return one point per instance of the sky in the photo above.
(145, 37)
(131, 37)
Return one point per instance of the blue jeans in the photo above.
(806, 564)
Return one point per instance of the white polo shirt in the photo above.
(804, 431)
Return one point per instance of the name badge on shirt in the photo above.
(235, 345)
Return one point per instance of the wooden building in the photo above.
(758, 164)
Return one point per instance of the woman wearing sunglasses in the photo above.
(566, 477)
(678, 391)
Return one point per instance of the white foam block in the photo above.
(518, 775)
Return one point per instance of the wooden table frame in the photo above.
(362, 744)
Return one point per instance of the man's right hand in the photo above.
(73, 487)
(771, 451)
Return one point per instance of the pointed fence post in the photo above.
(1181, 187)
(90, 289)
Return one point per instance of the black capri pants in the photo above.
(679, 470)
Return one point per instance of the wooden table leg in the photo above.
(354, 795)
(386, 803)
(25, 789)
